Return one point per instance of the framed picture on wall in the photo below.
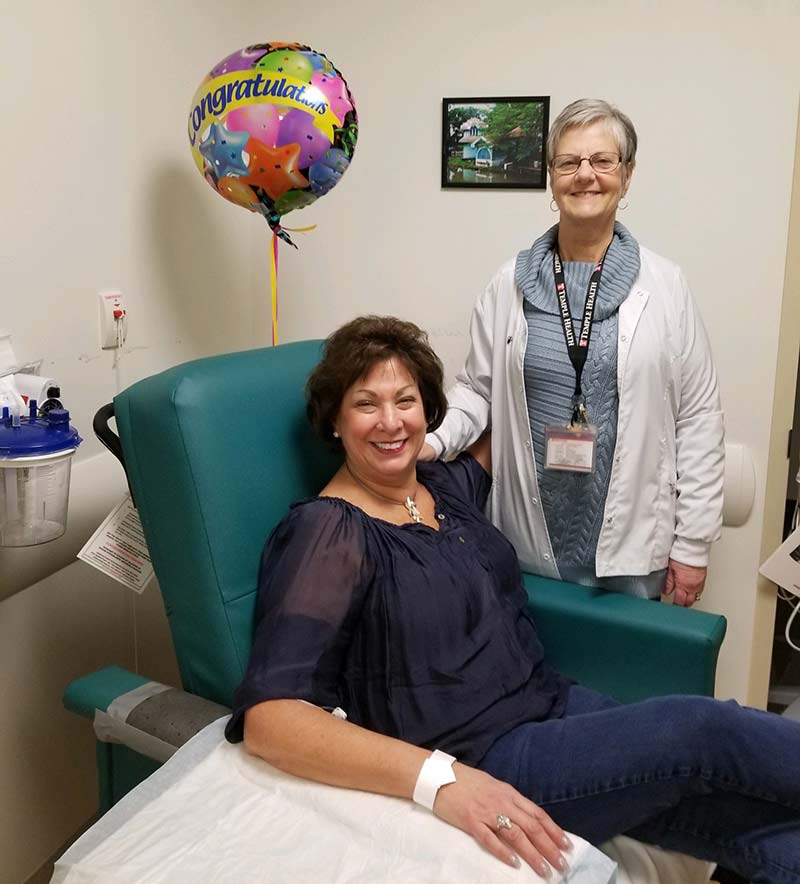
(495, 142)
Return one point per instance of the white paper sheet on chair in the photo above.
(213, 813)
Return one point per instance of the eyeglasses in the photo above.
(603, 162)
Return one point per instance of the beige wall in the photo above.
(103, 192)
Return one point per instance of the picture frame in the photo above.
(498, 143)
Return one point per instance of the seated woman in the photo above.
(390, 599)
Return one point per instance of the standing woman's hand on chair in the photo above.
(503, 821)
(426, 453)
(685, 583)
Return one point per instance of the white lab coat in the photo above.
(665, 490)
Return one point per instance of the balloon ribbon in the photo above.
(300, 229)
(273, 282)
(277, 232)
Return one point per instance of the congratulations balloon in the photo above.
(272, 128)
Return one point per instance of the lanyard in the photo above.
(577, 349)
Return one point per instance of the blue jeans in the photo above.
(712, 779)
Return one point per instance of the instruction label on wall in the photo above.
(118, 548)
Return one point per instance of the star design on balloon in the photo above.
(274, 169)
(223, 150)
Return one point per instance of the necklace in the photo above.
(409, 503)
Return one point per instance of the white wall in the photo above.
(99, 190)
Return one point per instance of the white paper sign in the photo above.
(783, 566)
(118, 548)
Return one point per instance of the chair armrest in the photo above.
(98, 690)
(151, 718)
(627, 647)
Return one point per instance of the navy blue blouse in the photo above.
(415, 633)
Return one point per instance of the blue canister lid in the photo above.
(36, 436)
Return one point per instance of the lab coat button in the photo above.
(547, 557)
(623, 337)
(534, 501)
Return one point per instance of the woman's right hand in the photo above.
(473, 803)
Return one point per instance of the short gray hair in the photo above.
(586, 111)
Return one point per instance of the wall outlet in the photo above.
(113, 320)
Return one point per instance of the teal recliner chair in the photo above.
(215, 451)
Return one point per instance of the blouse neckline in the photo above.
(437, 511)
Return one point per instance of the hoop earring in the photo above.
(553, 206)
(620, 206)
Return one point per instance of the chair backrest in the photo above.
(215, 451)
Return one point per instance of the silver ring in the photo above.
(503, 822)
(697, 596)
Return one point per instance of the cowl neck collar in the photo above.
(534, 272)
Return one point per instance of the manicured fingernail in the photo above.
(514, 860)
(544, 870)
(562, 864)
(566, 843)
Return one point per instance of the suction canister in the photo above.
(35, 464)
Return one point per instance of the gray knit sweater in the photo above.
(573, 503)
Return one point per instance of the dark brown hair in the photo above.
(353, 349)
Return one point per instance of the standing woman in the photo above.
(590, 363)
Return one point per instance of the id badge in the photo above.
(570, 448)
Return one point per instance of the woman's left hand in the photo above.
(503, 821)
(686, 582)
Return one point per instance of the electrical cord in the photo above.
(788, 630)
(119, 341)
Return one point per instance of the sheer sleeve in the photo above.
(312, 580)
(468, 479)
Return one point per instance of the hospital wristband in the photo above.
(437, 771)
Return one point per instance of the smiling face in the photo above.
(382, 425)
(589, 197)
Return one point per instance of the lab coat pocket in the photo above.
(667, 497)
